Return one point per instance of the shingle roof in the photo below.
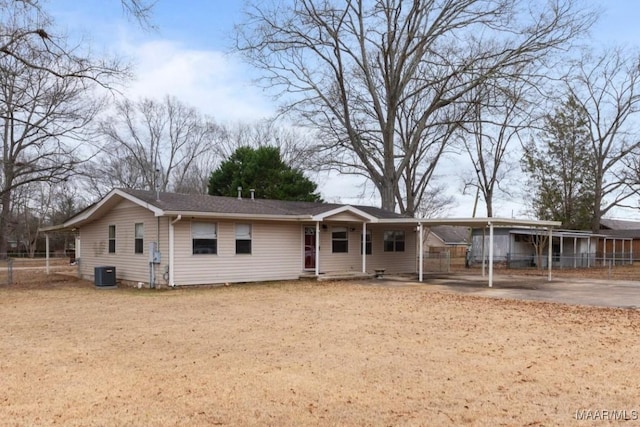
(177, 202)
(629, 234)
(619, 224)
(451, 234)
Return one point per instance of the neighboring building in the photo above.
(616, 235)
(519, 247)
(178, 239)
(447, 238)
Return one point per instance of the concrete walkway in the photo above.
(599, 293)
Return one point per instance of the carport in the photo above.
(485, 223)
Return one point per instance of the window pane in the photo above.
(243, 231)
(340, 246)
(203, 230)
(400, 246)
(243, 246)
(112, 246)
(139, 231)
(205, 246)
(112, 231)
(139, 246)
(388, 246)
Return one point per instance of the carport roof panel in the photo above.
(481, 222)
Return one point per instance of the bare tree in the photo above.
(155, 145)
(497, 116)
(43, 118)
(295, 144)
(376, 78)
(607, 89)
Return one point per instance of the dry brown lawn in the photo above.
(306, 353)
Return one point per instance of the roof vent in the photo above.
(239, 193)
(253, 193)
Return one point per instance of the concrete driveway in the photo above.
(599, 293)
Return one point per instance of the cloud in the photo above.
(215, 83)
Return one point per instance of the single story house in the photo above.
(170, 239)
(180, 239)
(447, 238)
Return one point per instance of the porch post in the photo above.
(46, 239)
(550, 260)
(589, 251)
(364, 247)
(490, 254)
(575, 251)
(561, 250)
(421, 255)
(317, 248)
(171, 253)
(631, 251)
(484, 236)
(604, 251)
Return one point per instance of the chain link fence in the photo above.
(6, 271)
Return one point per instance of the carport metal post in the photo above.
(364, 247)
(575, 251)
(46, 246)
(490, 254)
(550, 252)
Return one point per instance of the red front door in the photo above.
(309, 248)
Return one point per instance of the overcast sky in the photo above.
(189, 57)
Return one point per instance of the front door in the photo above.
(309, 248)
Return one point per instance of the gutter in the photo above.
(172, 282)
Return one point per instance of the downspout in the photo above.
(171, 251)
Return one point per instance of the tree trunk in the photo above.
(387, 194)
(5, 215)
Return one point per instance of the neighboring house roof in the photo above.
(451, 235)
(619, 224)
(629, 234)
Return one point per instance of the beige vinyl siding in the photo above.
(276, 254)
(129, 265)
(393, 262)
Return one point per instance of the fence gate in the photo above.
(437, 262)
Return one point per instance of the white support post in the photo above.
(613, 252)
(46, 245)
(622, 251)
(421, 255)
(561, 250)
(364, 247)
(484, 236)
(631, 251)
(589, 252)
(490, 254)
(575, 252)
(317, 248)
(550, 253)
(604, 251)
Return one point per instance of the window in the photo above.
(339, 239)
(394, 241)
(204, 238)
(243, 238)
(139, 238)
(112, 239)
(368, 242)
